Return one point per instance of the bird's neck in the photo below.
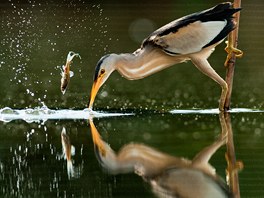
(143, 63)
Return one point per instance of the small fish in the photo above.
(66, 74)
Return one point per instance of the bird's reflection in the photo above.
(68, 151)
(169, 176)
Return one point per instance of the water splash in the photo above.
(42, 114)
(32, 34)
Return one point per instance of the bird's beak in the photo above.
(97, 140)
(95, 88)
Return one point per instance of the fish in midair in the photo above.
(66, 74)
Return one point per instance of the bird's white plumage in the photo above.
(192, 38)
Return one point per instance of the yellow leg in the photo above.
(223, 97)
(232, 168)
(230, 49)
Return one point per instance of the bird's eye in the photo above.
(102, 71)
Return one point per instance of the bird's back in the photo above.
(221, 12)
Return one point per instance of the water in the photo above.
(42, 114)
(32, 161)
(172, 112)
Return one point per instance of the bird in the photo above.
(168, 175)
(192, 37)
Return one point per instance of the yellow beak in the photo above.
(95, 88)
(97, 139)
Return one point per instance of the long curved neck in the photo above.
(144, 63)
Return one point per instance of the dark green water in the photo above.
(36, 38)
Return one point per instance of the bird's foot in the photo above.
(237, 166)
(230, 50)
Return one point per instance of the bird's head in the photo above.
(103, 69)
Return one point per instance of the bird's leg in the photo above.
(230, 49)
(223, 96)
(203, 65)
(201, 160)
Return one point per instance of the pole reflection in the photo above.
(233, 166)
(171, 176)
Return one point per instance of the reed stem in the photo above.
(232, 37)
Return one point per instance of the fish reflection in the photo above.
(68, 151)
(169, 176)
(66, 74)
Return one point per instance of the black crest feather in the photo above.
(98, 66)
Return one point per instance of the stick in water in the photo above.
(233, 53)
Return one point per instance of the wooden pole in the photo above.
(230, 62)
(233, 166)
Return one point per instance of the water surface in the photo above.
(173, 111)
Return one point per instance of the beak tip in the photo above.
(95, 88)
(90, 104)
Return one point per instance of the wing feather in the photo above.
(194, 32)
(191, 38)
